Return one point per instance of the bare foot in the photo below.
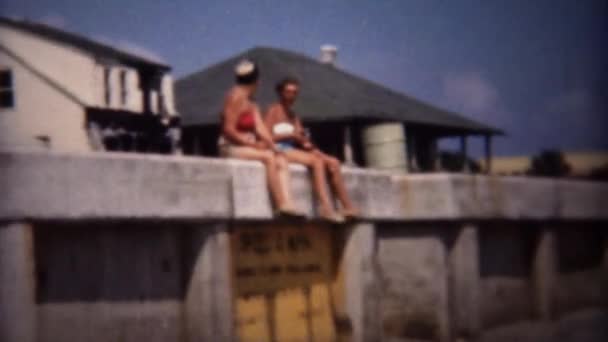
(351, 213)
(287, 210)
(330, 215)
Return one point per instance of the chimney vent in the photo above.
(329, 54)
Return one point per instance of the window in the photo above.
(106, 83)
(7, 96)
(123, 87)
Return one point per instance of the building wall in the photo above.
(53, 83)
(40, 110)
(67, 66)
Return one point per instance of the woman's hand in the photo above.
(307, 145)
(260, 145)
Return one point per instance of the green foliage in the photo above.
(549, 163)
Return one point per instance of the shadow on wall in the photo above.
(124, 262)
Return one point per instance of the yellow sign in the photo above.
(282, 278)
(266, 259)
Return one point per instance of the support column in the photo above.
(17, 283)
(488, 152)
(437, 167)
(544, 271)
(196, 149)
(360, 282)
(465, 154)
(464, 284)
(208, 303)
(605, 267)
(348, 146)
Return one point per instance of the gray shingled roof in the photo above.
(327, 94)
(85, 44)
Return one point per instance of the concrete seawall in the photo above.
(128, 248)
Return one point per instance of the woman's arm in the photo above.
(302, 138)
(270, 119)
(261, 130)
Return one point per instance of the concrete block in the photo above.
(373, 192)
(110, 282)
(582, 200)
(505, 256)
(208, 301)
(17, 283)
(249, 190)
(360, 281)
(112, 185)
(424, 197)
(57, 185)
(464, 283)
(414, 283)
(580, 274)
(544, 274)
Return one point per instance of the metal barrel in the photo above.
(384, 146)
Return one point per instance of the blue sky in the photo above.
(537, 69)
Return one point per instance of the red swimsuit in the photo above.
(246, 121)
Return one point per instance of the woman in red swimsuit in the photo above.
(245, 136)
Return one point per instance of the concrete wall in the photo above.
(438, 258)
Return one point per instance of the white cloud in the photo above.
(470, 92)
(132, 48)
(54, 20)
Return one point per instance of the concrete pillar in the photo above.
(605, 264)
(464, 283)
(360, 282)
(208, 304)
(17, 283)
(544, 274)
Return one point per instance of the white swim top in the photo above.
(283, 128)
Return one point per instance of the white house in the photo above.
(62, 91)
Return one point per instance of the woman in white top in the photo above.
(288, 135)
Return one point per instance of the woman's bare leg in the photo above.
(272, 175)
(318, 172)
(285, 179)
(333, 166)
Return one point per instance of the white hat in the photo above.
(244, 68)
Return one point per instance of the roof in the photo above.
(327, 94)
(86, 44)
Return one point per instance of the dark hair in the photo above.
(249, 78)
(284, 82)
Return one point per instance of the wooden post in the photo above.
(196, 149)
(488, 150)
(464, 153)
(435, 155)
(348, 148)
(412, 163)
